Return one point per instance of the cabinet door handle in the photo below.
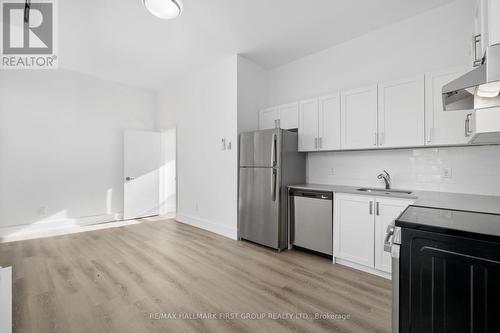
(478, 59)
(371, 208)
(381, 138)
(467, 125)
(320, 143)
(429, 135)
(378, 209)
(375, 135)
(315, 143)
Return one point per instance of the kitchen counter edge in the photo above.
(441, 200)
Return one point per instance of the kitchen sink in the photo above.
(382, 190)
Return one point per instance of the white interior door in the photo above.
(142, 161)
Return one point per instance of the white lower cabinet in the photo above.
(359, 227)
(386, 211)
(353, 228)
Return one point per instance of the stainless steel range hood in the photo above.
(478, 88)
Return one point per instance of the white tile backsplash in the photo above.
(475, 170)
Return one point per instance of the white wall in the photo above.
(252, 93)
(204, 108)
(433, 40)
(61, 147)
(168, 172)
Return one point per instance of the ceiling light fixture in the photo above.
(164, 9)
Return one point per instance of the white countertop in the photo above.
(443, 200)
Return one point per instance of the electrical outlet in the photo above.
(446, 173)
(331, 172)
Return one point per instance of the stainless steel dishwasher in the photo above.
(311, 220)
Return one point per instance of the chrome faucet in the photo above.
(387, 179)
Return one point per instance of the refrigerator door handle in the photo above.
(273, 184)
(274, 152)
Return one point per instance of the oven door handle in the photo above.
(395, 287)
(389, 238)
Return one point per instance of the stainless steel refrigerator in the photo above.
(268, 163)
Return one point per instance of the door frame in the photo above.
(162, 184)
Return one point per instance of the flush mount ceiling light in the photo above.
(164, 9)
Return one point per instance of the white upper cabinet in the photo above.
(494, 22)
(289, 115)
(480, 40)
(442, 127)
(359, 118)
(401, 110)
(308, 125)
(268, 117)
(401, 113)
(329, 122)
(486, 28)
(319, 123)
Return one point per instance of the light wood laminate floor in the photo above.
(131, 279)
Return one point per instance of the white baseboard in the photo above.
(359, 267)
(209, 225)
(53, 227)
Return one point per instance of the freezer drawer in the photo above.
(312, 220)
